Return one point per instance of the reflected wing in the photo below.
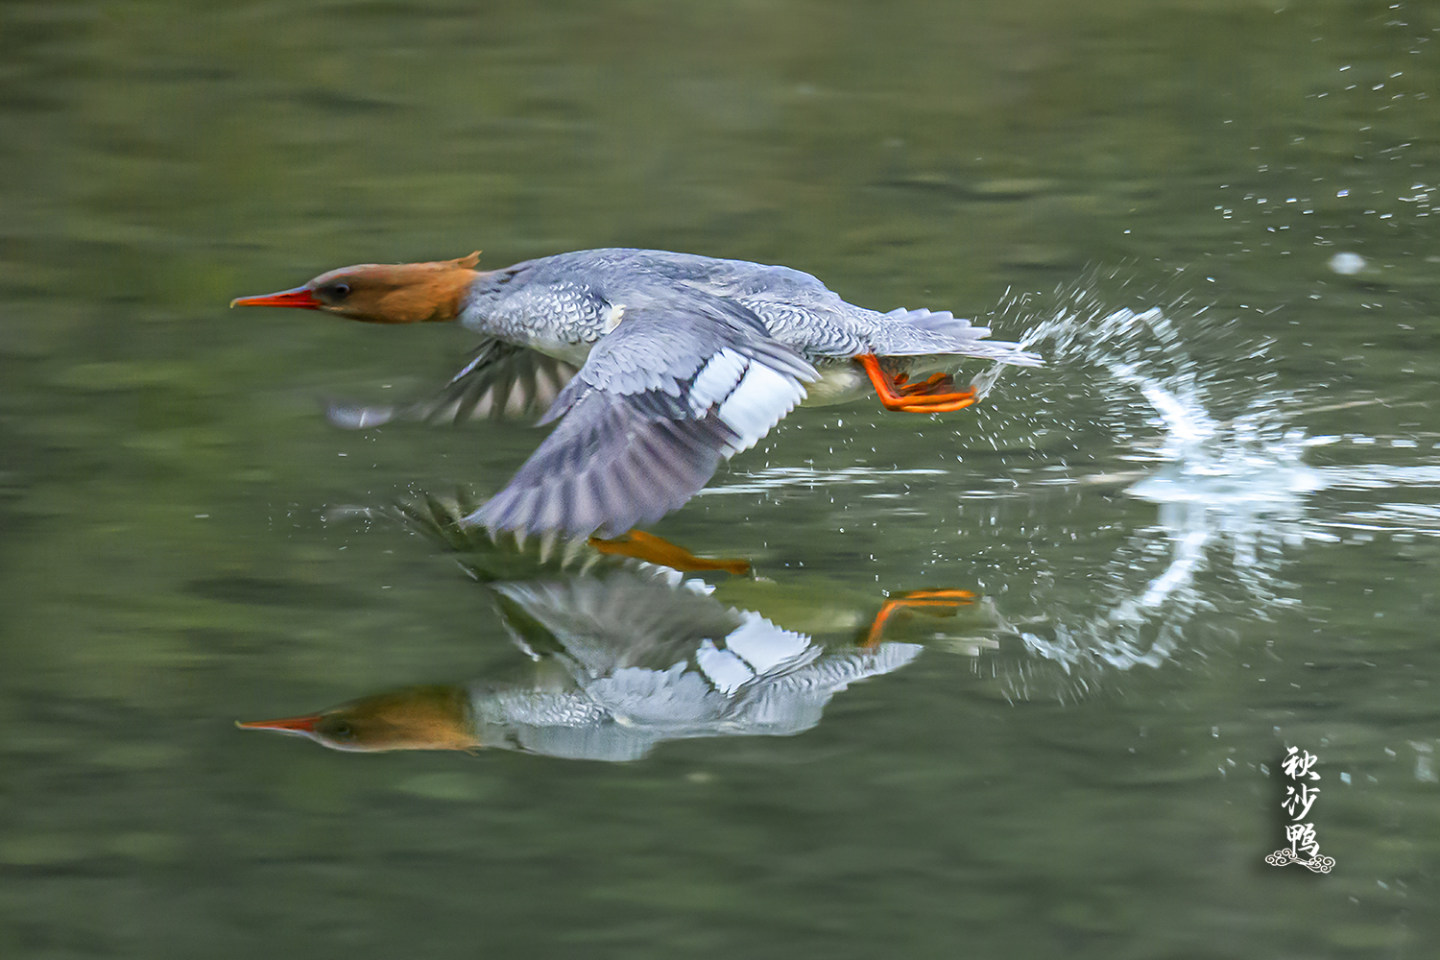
(656, 653)
(684, 381)
(500, 381)
(625, 619)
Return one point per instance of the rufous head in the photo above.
(382, 292)
(414, 718)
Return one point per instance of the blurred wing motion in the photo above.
(645, 618)
(500, 381)
(684, 381)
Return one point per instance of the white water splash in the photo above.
(1219, 452)
(1225, 486)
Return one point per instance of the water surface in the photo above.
(1208, 530)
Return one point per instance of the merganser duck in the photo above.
(656, 366)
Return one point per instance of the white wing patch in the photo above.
(757, 403)
(716, 380)
(722, 668)
(747, 395)
(765, 646)
(757, 648)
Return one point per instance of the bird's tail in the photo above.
(909, 333)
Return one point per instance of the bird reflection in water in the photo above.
(613, 665)
(615, 662)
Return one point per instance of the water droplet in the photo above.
(1347, 264)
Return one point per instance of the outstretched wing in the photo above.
(684, 381)
(501, 380)
(627, 618)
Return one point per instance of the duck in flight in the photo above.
(654, 366)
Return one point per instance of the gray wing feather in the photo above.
(626, 619)
(501, 380)
(921, 332)
(683, 382)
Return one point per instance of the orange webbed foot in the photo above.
(938, 602)
(931, 395)
(640, 545)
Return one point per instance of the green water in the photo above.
(1084, 764)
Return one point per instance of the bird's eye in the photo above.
(339, 730)
(338, 291)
